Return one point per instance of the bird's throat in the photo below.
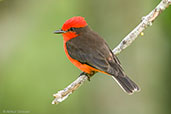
(69, 35)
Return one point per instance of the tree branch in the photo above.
(146, 21)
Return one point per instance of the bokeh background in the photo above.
(33, 65)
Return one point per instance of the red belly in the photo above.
(83, 67)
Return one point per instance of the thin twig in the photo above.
(146, 21)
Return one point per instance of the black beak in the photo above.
(59, 32)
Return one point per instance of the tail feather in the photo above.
(126, 84)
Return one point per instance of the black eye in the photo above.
(71, 29)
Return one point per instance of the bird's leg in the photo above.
(88, 75)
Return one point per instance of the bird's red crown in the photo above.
(75, 22)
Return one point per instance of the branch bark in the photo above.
(145, 22)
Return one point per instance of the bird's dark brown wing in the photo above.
(89, 48)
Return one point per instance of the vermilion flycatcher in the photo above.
(91, 54)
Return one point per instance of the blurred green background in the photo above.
(33, 65)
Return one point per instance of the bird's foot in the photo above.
(88, 75)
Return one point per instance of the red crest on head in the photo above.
(75, 22)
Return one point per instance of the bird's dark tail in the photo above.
(126, 84)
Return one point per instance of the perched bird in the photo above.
(90, 53)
